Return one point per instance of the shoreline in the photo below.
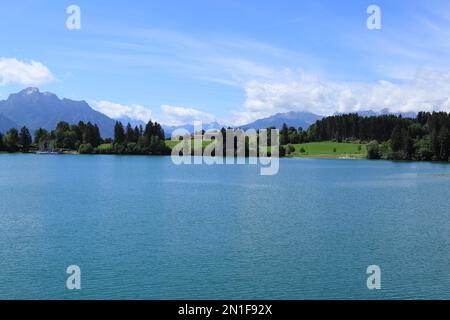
(326, 157)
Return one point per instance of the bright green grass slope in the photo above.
(318, 149)
(330, 150)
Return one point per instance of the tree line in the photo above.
(85, 138)
(425, 138)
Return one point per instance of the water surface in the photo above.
(143, 228)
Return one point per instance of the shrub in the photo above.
(106, 148)
(86, 149)
(282, 151)
(373, 150)
(290, 149)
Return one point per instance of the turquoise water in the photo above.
(142, 228)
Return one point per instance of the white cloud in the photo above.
(428, 90)
(180, 115)
(119, 111)
(13, 71)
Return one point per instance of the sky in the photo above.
(229, 61)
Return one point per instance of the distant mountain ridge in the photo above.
(292, 119)
(168, 130)
(383, 112)
(36, 109)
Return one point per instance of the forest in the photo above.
(85, 138)
(425, 138)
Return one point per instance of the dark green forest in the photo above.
(425, 138)
(85, 138)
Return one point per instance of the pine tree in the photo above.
(409, 145)
(396, 139)
(97, 138)
(119, 134)
(137, 133)
(284, 139)
(130, 135)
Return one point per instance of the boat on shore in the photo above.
(46, 152)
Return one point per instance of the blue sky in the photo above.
(230, 61)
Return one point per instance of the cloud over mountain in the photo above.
(13, 71)
(175, 116)
(121, 111)
(426, 91)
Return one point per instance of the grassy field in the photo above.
(330, 150)
(105, 146)
(318, 149)
(171, 144)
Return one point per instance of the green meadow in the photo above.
(316, 149)
(329, 150)
(171, 144)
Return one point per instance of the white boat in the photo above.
(46, 152)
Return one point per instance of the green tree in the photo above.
(12, 140)
(60, 134)
(25, 138)
(290, 149)
(396, 139)
(97, 137)
(119, 134)
(41, 136)
(423, 149)
(409, 145)
(284, 135)
(373, 150)
(130, 136)
(91, 135)
(444, 139)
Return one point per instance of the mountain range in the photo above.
(292, 119)
(383, 112)
(36, 109)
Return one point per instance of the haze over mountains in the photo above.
(36, 109)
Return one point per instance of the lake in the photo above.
(143, 228)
